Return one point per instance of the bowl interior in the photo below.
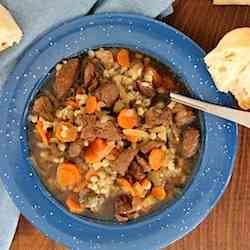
(163, 207)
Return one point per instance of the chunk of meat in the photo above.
(93, 85)
(122, 206)
(182, 164)
(107, 93)
(92, 128)
(88, 123)
(178, 107)
(148, 146)
(106, 57)
(143, 163)
(168, 83)
(89, 74)
(146, 88)
(191, 142)
(65, 77)
(122, 163)
(43, 107)
(55, 152)
(174, 135)
(155, 117)
(75, 148)
(108, 131)
(136, 171)
(184, 118)
(54, 101)
(129, 178)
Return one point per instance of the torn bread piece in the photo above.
(231, 2)
(229, 65)
(10, 33)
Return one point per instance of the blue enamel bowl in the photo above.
(185, 58)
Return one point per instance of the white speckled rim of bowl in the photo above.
(171, 48)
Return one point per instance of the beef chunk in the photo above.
(190, 144)
(146, 88)
(88, 123)
(65, 77)
(155, 117)
(93, 85)
(122, 206)
(184, 117)
(174, 136)
(107, 93)
(143, 163)
(75, 148)
(122, 163)
(92, 128)
(136, 171)
(43, 107)
(183, 164)
(148, 146)
(108, 130)
(54, 151)
(169, 83)
(89, 74)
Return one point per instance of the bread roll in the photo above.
(10, 33)
(232, 2)
(229, 65)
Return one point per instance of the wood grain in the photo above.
(228, 226)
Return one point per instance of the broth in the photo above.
(106, 139)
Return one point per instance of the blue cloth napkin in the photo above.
(34, 18)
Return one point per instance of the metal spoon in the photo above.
(238, 116)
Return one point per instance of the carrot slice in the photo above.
(90, 156)
(135, 135)
(71, 103)
(123, 58)
(97, 150)
(91, 105)
(41, 132)
(73, 205)
(99, 145)
(127, 118)
(65, 132)
(126, 186)
(159, 193)
(90, 174)
(156, 158)
(68, 175)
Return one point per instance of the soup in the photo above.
(106, 139)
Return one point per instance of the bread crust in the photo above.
(229, 65)
(231, 2)
(10, 33)
(237, 38)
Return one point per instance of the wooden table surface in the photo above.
(228, 225)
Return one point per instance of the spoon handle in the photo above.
(238, 116)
